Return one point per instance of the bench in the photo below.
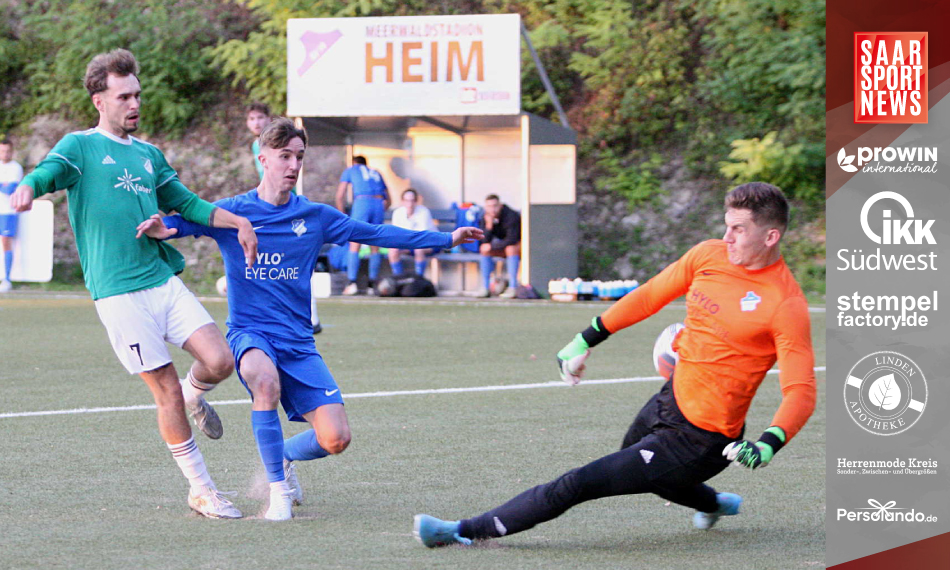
(445, 221)
(444, 218)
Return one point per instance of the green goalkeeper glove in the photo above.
(758, 454)
(571, 358)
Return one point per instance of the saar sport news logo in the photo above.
(900, 160)
(885, 393)
(888, 512)
(890, 77)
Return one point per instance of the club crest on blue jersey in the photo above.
(299, 227)
(148, 165)
(750, 301)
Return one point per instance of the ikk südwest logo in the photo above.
(890, 77)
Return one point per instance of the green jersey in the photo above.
(113, 185)
(256, 151)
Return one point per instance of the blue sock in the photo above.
(375, 260)
(352, 265)
(397, 267)
(303, 447)
(270, 442)
(421, 268)
(512, 263)
(8, 261)
(485, 263)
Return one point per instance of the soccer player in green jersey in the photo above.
(113, 181)
(258, 117)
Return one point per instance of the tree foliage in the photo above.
(694, 78)
(167, 37)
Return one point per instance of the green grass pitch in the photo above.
(99, 490)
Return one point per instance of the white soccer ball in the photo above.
(222, 286)
(664, 357)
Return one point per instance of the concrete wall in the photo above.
(553, 243)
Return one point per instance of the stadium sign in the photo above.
(413, 65)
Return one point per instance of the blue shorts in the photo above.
(305, 381)
(8, 225)
(369, 210)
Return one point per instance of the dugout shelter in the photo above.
(434, 102)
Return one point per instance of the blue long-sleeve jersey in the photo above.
(273, 297)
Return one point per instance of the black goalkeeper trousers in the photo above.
(662, 453)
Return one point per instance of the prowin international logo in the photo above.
(888, 512)
(913, 159)
(885, 393)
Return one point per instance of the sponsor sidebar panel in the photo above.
(888, 288)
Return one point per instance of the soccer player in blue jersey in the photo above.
(269, 322)
(258, 117)
(370, 202)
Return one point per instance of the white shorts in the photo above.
(140, 323)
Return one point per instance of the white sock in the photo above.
(278, 487)
(191, 463)
(193, 390)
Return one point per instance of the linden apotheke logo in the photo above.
(885, 393)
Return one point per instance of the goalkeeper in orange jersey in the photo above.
(744, 312)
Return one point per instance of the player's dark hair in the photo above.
(766, 202)
(119, 62)
(412, 191)
(280, 132)
(359, 160)
(492, 197)
(5, 140)
(259, 107)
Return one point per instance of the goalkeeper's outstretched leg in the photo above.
(672, 460)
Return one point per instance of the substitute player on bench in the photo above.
(744, 311)
(112, 179)
(269, 322)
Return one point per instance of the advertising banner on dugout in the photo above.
(411, 65)
(888, 249)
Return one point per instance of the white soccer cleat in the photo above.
(281, 506)
(351, 290)
(5, 286)
(483, 293)
(204, 417)
(290, 475)
(212, 503)
(509, 293)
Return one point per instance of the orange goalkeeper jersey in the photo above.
(738, 322)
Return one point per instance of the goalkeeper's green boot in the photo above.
(728, 505)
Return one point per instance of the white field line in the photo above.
(390, 394)
(445, 301)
